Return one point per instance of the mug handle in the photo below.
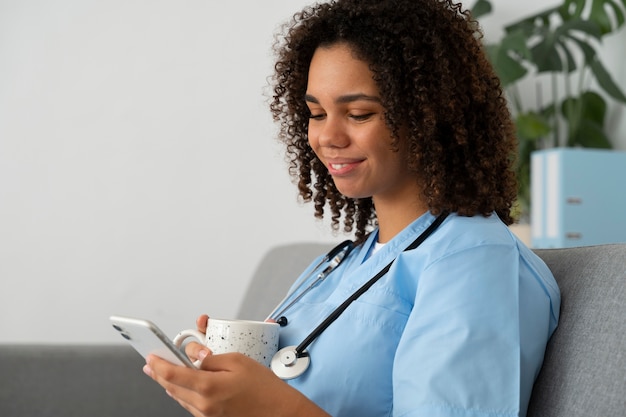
(184, 334)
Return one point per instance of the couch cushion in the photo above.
(584, 372)
(79, 381)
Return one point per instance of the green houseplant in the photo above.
(555, 54)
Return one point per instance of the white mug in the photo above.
(256, 339)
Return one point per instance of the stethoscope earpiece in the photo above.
(288, 364)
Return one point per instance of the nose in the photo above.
(331, 133)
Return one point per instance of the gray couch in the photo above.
(584, 372)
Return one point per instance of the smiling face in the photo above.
(347, 129)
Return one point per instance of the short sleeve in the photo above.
(459, 354)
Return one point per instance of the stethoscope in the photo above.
(334, 258)
(292, 361)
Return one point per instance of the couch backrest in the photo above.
(79, 381)
(278, 269)
(584, 372)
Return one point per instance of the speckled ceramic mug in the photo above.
(256, 339)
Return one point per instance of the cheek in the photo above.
(393, 158)
(313, 138)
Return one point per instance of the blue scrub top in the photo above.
(457, 327)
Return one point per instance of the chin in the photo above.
(354, 195)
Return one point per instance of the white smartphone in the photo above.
(148, 339)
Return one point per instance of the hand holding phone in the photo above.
(147, 338)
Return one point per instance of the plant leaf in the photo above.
(516, 42)
(546, 55)
(598, 13)
(507, 56)
(585, 117)
(594, 107)
(481, 8)
(507, 68)
(609, 15)
(532, 126)
(588, 51)
(588, 27)
(548, 52)
(528, 24)
(606, 81)
(590, 135)
(588, 105)
(566, 9)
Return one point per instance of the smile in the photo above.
(343, 167)
(338, 166)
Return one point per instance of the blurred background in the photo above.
(139, 170)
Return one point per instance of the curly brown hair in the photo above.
(439, 92)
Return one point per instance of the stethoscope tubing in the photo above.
(336, 255)
(339, 310)
(292, 361)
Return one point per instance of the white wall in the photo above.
(138, 164)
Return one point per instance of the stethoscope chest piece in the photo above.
(287, 364)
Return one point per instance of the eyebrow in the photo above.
(348, 98)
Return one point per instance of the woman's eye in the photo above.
(316, 116)
(361, 117)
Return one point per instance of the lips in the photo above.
(342, 167)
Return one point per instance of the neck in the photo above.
(393, 218)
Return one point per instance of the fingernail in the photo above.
(203, 354)
(147, 370)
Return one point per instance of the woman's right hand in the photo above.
(227, 385)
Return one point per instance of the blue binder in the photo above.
(578, 197)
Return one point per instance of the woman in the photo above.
(395, 122)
